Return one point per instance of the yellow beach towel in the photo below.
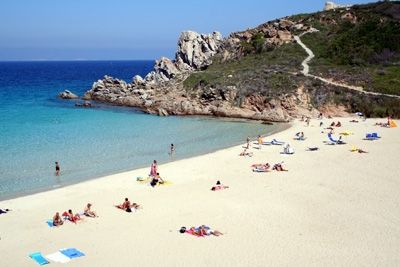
(346, 133)
(353, 148)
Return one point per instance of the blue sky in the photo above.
(126, 29)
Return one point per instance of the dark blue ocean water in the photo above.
(37, 128)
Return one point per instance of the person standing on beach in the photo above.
(57, 169)
(248, 142)
(153, 169)
(260, 141)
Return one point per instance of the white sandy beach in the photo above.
(332, 208)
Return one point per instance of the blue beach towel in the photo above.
(50, 223)
(38, 257)
(72, 253)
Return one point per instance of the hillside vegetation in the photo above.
(359, 46)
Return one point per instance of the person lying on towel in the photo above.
(219, 186)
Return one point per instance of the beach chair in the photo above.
(371, 136)
(332, 141)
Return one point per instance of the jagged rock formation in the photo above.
(161, 91)
(254, 74)
(194, 52)
(67, 94)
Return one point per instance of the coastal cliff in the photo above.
(268, 73)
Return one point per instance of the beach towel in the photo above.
(50, 223)
(260, 170)
(193, 233)
(72, 253)
(58, 257)
(346, 133)
(38, 257)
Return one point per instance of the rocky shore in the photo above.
(162, 92)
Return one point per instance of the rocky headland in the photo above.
(253, 74)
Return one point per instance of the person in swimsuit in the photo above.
(153, 169)
(57, 169)
(88, 212)
(71, 217)
(57, 220)
(172, 150)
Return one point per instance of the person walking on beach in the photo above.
(57, 169)
(153, 169)
(260, 141)
(248, 142)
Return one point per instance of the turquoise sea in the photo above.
(37, 128)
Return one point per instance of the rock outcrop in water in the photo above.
(66, 94)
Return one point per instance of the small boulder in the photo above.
(67, 94)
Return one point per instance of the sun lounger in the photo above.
(72, 253)
(38, 257)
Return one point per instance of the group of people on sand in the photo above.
(70, 216)
(155, 175)
(127, 206)
(266, 167)
(338, 124)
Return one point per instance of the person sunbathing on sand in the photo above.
(338, 124)
(219, 186)
(71, 217)
(126, 206)
(57, 220)
(261, 167)
(278, 167)
(201, 231)
(88, 212)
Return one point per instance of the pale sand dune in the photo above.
(333, 208)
